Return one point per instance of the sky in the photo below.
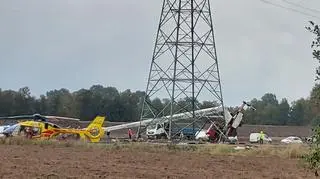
(75, 44)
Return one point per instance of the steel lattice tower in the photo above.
(184, 68)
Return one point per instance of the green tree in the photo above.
(129, 103)
(313, 157)
(268, 111)
(284, 109)
(315, 45)
(269, 98)
(300, 113)
(157, 107)
(269, 115)
(315, 100)
(8, 102)
(60, 102)
(41, 106)
(315, 121)
(251, 117)
(83, 104)
(24, 101)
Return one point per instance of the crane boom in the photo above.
(213, 112)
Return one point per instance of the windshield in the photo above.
(10, 129)
(151, 126)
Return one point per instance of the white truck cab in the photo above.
(155, 131)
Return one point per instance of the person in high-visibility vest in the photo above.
(261, 137)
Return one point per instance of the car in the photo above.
(310, 139)
(2, 129)
(292, 140)
(254, 138)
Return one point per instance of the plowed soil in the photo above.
(34, 161)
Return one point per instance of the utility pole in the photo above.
(184, 68)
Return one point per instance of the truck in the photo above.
(160, 130)
(254, 138)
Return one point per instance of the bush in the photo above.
(313, 157)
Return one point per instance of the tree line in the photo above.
(85, 103)
(126, 106)
(270, 111)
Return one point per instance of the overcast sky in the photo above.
(74, 44)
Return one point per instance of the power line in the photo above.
(291, 9)
(299, 5)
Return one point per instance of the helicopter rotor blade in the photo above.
(62, 118)
(24, 117)
(17, 117)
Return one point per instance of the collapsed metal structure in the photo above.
(184, 68)
(209, 112)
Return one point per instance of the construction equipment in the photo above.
(199, 113)
(228, 132)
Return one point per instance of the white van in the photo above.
(254, 138)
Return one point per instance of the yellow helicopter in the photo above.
(46, 130)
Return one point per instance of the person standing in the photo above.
(28, 132)
(130, 133)
(261, 137)
(108, 137)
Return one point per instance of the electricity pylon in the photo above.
(184, 69)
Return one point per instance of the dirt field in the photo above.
(35, 161)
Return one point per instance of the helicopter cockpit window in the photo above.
(12, 129)
(46, 125)
(36, 131)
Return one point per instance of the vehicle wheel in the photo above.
(163, 136)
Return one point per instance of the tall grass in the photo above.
(288, 151)
(24, 141)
